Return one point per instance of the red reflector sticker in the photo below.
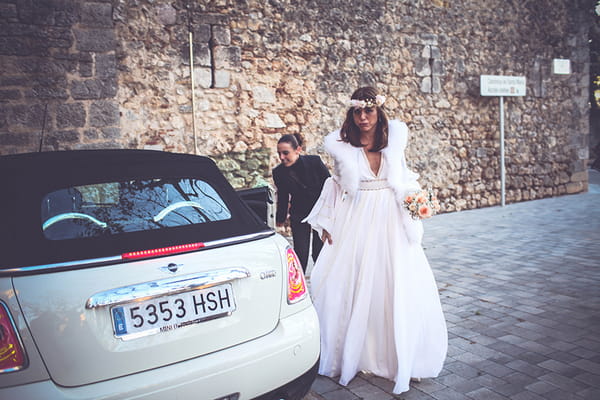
(163, 251)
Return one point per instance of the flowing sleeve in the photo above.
(322, 214)
(410, 184)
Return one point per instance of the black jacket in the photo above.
(302, 182)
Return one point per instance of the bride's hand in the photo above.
(326, 237)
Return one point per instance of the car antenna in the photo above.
(43, 128)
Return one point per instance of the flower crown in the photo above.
(367, 103)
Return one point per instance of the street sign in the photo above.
(561, 66)
(502, 85)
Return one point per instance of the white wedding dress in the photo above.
(374, 291)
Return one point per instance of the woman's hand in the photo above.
(326, 236)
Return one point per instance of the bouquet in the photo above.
(422, 204)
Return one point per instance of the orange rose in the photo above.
(425, 212)
(421, 198)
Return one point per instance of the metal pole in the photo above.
(502, 171)
(193, 92)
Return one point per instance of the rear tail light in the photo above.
(12, 354)
(296, 283)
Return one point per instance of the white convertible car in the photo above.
(131, 274)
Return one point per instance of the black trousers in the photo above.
(301, 233)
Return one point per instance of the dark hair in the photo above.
(294, 140)
(350, 133)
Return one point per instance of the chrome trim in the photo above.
(71, 215)
(117, 259)
(148, 290)
(60, 266)
(175, 206)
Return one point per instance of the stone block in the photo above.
(202, 56)
(94, 89)
(581, 176)
(222, 79)
(87, 89)
(106, 66)
(11, 94)
(56, 37)
(422, 67)
(436, 85)
(221, 35)
(95, 40)
(4, 109)
(262, 94)
(273, 121)
(202, 77)
(227, 165)
(28, 141)
(47, 92)
(66, 17)
(426, 85)
(426, 53)
(108, 144)
(91, 134)
(111, 133)
(20, 46)
(227, 57)
(201, 33)
(574, 187)
(211, 19)
(103, 114)
(166, 14)
(70, 116)
(96, 15)
(428, 38)
(583, 154)
(29, 116)
(8, 11)
(57, 138)
(437, 68)
(40, 13)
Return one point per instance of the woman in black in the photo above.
(299, 180)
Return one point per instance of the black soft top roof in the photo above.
(26, 178)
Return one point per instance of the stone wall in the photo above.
(117, 74)
(58, 79)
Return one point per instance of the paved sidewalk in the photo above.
(520, 288)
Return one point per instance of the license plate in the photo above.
(164, 314)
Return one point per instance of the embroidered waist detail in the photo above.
(373, 184)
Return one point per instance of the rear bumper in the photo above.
(282, 362)
(296, 389)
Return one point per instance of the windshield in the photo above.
(129, 206)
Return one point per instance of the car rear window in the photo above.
(67, 207)
(113, 208)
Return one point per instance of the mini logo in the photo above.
(172, 268)
(268, 274)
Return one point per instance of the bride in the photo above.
(372, 286)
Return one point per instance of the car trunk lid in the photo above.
(84, 321)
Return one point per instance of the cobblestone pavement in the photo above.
(520, 288)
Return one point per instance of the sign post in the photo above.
(500, 86)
